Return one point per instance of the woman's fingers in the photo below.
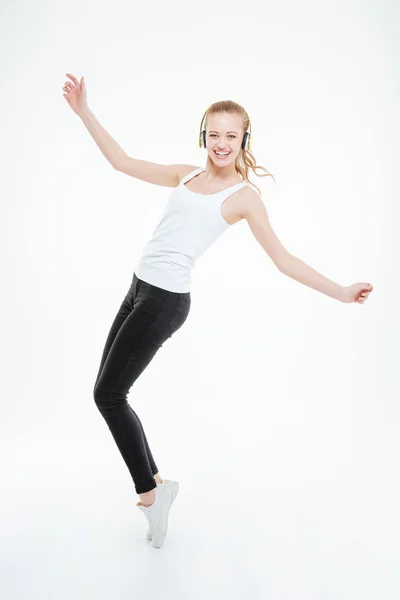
(74, 79)
(364, 291)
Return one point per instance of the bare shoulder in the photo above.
(183, 170)
(249, 202)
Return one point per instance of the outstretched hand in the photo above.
(358, 292)
(75, 93)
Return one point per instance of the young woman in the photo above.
(203, 204)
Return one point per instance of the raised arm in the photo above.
(75, 95)
(165, 175)
(255, 212)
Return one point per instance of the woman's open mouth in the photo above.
(222, 156)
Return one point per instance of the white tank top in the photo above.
(190, 224)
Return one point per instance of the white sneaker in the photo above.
(157, 513)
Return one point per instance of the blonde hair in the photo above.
(245, 159)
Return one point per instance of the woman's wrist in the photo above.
(83, 112)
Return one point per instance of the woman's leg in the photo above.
(136, 342)
(123, 312)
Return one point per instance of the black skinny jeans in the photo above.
(147, 317)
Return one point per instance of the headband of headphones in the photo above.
(246, 137)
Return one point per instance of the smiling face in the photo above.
(224, 134)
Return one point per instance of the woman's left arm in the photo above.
(255, 213)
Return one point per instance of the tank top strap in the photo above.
(223, 194)
(190, 175)
(229, 190)
(234, 188)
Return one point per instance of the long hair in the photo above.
(245, 160)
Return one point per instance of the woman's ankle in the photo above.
(147, 498)
(158, 478)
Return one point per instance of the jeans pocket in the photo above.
(180, 313)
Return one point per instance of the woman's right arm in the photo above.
(108, 146)
(166, 175)
(75, 95)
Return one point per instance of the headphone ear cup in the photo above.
(203, 133)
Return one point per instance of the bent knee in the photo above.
(102, 396)
(106, 397)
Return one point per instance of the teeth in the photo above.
(222, 153)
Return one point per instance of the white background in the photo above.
(275, 406)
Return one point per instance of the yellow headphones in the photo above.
(245, 141)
